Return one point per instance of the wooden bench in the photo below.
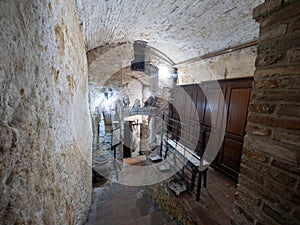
(185, 155)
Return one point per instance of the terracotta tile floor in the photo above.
(216, 200)
(116, 204)
(215, 205)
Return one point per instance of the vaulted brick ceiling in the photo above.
(181, 29)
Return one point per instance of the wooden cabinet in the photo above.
(214, 105)
(237, 97)
(189, 104)
(208, 104)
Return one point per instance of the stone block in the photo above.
(279, 177)
(289, 82)
(266, 84)
(279, 51)
(238, 218)
(264, 219)
(294, 25)
(254, 165)
(287, 166)
(246, 183)
(296, 213)
(284, 192)
(242, 216)
(275, 121)
(261, 107)
(258, 130)
(249, 209)
(264, 194)
(272, 173)
(280, 70)
(276, 45)
(278, 82)
(266, 145)
(296, 200)
(254, 154)
(249, 196)
(265, 8)
(279, 16)
(295, 55)
(276, 95)
(269, 210)
(251, 174)
(292, 110)
(273, 31)
(271, 59)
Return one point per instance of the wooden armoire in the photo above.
(206, 99)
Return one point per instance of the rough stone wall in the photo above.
(45, 133)
(269, 182)
(231, 65)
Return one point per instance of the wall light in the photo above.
(164, 71)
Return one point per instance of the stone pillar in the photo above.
(95, 128)
(152, 132)
(144, 136)
(269, 182)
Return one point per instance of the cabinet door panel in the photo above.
(200, 104)
(177, 113)
(188, 118)
(232, 95)
(178, 101)
(174, 124)
(237, 110)
(214, 107)
(231, 155)
(237, 95)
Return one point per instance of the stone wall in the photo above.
(45, 134)
(109, 66)
(269, 182)
(231, 65)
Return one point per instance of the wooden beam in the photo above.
(217, 53)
